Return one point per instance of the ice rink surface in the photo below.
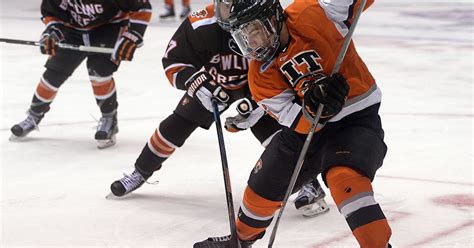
(53, 184)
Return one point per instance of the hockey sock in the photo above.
(355, 200)
(171, 134)
(46, 90)
(105, 93)
(255, 215)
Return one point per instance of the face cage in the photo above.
(257, 39)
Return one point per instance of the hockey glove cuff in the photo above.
(126, 45)
(51, 36)
(202, 87)
(330, 91)
(249, 114)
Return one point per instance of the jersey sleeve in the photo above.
(140, 12)
(186, 53)
(341, 12)
(51, 13)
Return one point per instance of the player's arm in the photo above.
(185, 55)
(140, 15)
(53, 32)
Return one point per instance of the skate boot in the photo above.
(23, 128)
(226, 242)
(169, 12)
(185, 12)
(128, 183)
(310, 200)
(106, 130)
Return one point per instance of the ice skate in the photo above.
(185, 12)
(106, 130)
(23, 128)
(310, 200)
(223, 242)
(127, 184)
(168, 13)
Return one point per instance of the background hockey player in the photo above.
(203, 60)
(107, 23)
(293, 53)
(169, 9)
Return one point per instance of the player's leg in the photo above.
(101, 69)
(170, 135)
(169, 10)
(348, 175)
(266, 188)
(186, 10)
(58, 70)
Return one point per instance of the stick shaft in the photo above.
(80, 48)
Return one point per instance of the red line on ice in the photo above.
(443, 234)
(426, 180)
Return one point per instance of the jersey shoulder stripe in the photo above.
(202, 17)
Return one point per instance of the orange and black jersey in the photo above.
(85, 15)
(317, 30)
(201, 44)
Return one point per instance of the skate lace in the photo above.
(29, 123)
(132, 181)
(220, 239)
(309, 190)
(105, 124)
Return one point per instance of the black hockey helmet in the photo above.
(222, 12)
(255, 26)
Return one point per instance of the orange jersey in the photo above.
(317, 32)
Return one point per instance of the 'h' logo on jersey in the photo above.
(301, 65)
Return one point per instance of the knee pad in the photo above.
(355, 200)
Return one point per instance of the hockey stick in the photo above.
(225, 170)
(314, 123)
(62, 46)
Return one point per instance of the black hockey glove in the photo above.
(330, 91)
(126, 45)
(202, 87)
(51, 36)
(248, 114)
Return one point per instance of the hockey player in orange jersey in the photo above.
(202, 59)
(293, 53)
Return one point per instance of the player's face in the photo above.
(222, 12)
(255, 38)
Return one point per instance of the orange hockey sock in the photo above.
(354, 198)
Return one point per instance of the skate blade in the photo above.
(315, 209)
(102, 144)
(15, 138)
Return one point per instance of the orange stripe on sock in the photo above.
(373, 235)
(103, 88)
(259, 205)
(345, 183)
(44, 92)
(160, 145)
(247, 232)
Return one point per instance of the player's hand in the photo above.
(202, 87)
(330, 91)
(126, 45)
(248, 115)
(50, 38)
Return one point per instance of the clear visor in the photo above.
(255, 38)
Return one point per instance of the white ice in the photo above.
(53, 184)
